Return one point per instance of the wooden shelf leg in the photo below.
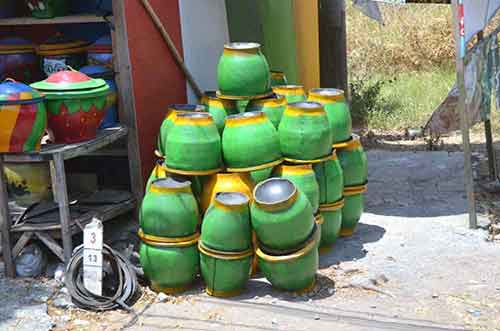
(5, 225)
(61, 189)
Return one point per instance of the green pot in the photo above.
(170, 267)
(332, 223)
(304, 132)
(295, 271)
(48, 8)
(225, 274)
(243, 72)
(353, 160)
(282, 216)
(226, 225)
(337, 109)
(261, 175)
(292, 93)
(169, 209)
(353, 209)
(219, 108)
(250, 142)
(168, 122)
(278, 78)
(273, 107)
(193, 145)
(330, 179)
(304, 178)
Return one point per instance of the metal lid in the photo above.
(12, 92)
(68, 80)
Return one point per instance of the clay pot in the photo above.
(226, 225)
(295, 271)
(304, 133)
(332, 223)
(304, 178)
(282, 216)
(225, 182)
(337, 110)
(353, 209)
(76, 105)
(292, 93)
(352, 158)
(261, 175)
(169, 209)
(243, 72)
(330, 178)
(23, 118)
(273, 107)
(47, 8)
(193, 145)
(59, 53)
(19, 61)
(172, 265)
(250, 142)
(168, 122)
(278, 78)
(219, 108)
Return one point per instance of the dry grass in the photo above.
(414, 38)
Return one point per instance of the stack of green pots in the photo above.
(354, 164)
(225, 247)
(288, 238)
(169, 221)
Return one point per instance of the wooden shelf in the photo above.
(89, 18)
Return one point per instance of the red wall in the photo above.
(157, 80)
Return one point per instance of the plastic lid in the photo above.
(12, 92)
(68, 80)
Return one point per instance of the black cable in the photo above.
(122, 280)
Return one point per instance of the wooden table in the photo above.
(56, 155)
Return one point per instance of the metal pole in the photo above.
(461, 47)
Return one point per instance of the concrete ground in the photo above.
(411, 265)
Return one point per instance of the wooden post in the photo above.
(333, 44)
(5, 224)
(464, 118)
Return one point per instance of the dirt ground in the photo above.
(413, 264)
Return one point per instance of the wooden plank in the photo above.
(62, 197)
(333, 44)
(70, 151)
(57, 20)
(53, 246)
(25, 237)
(5, 227)
(464, 120)
(124, 81)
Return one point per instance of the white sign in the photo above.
(92, 256)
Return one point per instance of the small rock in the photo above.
(81, 322)
(435, 296)
(274, 301)
(274, 321)
(62, 301)
(316, 317)
(373, 307)
(162, 297)
(331, 291)
(474, 312)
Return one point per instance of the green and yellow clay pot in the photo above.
(250, 142)
(330, 178)
(281, 215)
(278, 78)
(226, 182)
(243, 72)
(168, 122)
(219, 108)
(225, 273)
(171, 265)
(337, 109)
(273, 107)
(226, 225)
(169, 209)
(304, 178)
(193, 145)
(353, 208)
(352, 158)
(261, 175)
(295, 271)
(158, 172)
(332, 223)
(292, 93)
(304, 133)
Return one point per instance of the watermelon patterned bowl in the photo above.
(76, 105)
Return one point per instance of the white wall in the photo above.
(204, 33)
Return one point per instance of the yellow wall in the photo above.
(307, 34)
